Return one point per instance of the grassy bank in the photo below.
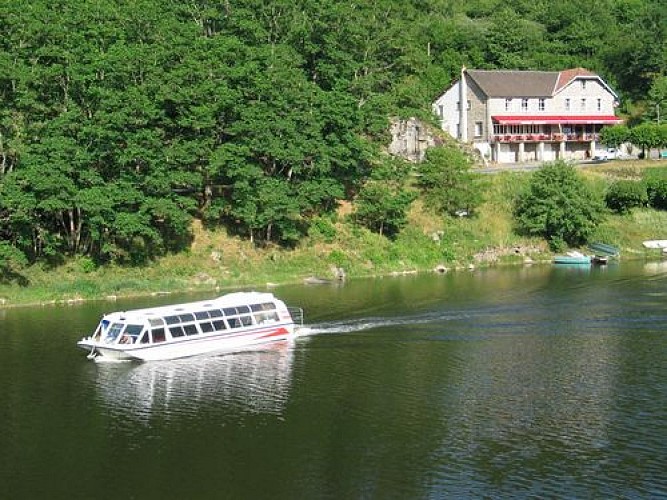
(217, 260)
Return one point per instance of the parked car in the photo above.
(607, 154)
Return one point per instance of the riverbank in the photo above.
(217, 261)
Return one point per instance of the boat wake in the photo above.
(361, 324)
(109, 361)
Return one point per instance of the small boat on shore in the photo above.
(229, 323)
(659, 244)
(573, 258)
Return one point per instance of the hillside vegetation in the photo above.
(216, 260)
(138, 138)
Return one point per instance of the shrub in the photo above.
(656, 191)
(623, 195)
(383, 209)
(558, 206)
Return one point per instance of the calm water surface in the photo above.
(548, 382)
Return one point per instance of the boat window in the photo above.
(246, 320)
(145, 338)
(266, 306)
(190, 329)
(243, 309)
(219, 325)
(215, 313)
(130, 334)
(229, 311)
(266, 317)
(186, 317)
(158, 335)
(206, 327)
(234, 322)
(155, 321)
(172, 320)
(113, 332)
(176, 331)
(133, 330)
(201, 315)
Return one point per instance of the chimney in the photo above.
(463, 106)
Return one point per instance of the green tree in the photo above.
(647, 136)
(383, 201)
(657, 101)
(558, 206)
(614, 136)
(447, 182)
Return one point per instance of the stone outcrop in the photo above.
(411, 138)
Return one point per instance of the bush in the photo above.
(383, 209)
(558, 206)
(623, 195)
(656, 191)
(12, 261)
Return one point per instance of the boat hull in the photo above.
(189, 346)
(584, 261)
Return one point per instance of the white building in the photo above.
(520, 116)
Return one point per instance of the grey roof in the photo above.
(515, 83)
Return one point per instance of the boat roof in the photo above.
(228, 300)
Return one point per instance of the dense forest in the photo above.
(122, 120)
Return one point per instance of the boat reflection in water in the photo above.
(251, 381)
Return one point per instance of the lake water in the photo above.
(522, 382)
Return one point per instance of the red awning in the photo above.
(558, 119)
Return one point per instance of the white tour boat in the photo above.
(231, 322)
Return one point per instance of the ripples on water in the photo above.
(542, 395)
(508, 385)
(255, 381)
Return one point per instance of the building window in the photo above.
(468, 104)
(541, 105)
(458, 130)
(478, 129)
(508, 104)
(583, 84)
(599, 104)
(567, 104)
(583, 104)
(524, 104)
(441, 108)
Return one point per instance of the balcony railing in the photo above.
(545, 137)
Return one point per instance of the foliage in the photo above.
(657, 101)
(12, 261)
(447, 182)
(121, 121)
(623, 195)
(558, 206)
(656, 187)
(614, 136)
(647, 136)
(383, 202)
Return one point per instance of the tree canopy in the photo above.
(121, 120)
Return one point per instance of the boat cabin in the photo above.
(157, 325)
